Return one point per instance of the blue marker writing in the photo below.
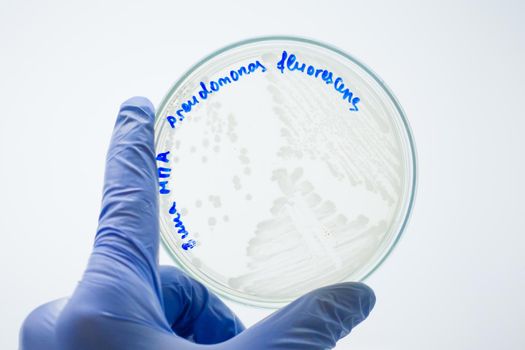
(212, 87)
(189, 245)
(164, 173)
(178, 222)
(290, 62)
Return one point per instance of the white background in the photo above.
(457, 278)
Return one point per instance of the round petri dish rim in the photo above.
(412, 150)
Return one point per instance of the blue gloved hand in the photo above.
(126, 301)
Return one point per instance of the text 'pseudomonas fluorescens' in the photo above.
(288, 63)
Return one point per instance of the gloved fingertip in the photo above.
(140, 103)
(317, 320)
(366, 295)
(358, 292)
(372, 299)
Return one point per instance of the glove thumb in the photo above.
(317, 320)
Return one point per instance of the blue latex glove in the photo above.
(126, 301)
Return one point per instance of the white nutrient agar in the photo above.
(294, 163)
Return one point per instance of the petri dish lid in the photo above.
(284, 165)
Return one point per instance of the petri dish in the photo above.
(284, 165)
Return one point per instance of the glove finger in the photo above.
(194, 312)
(38, 329)
(121, 283)
(315, 321)
(128, 231)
